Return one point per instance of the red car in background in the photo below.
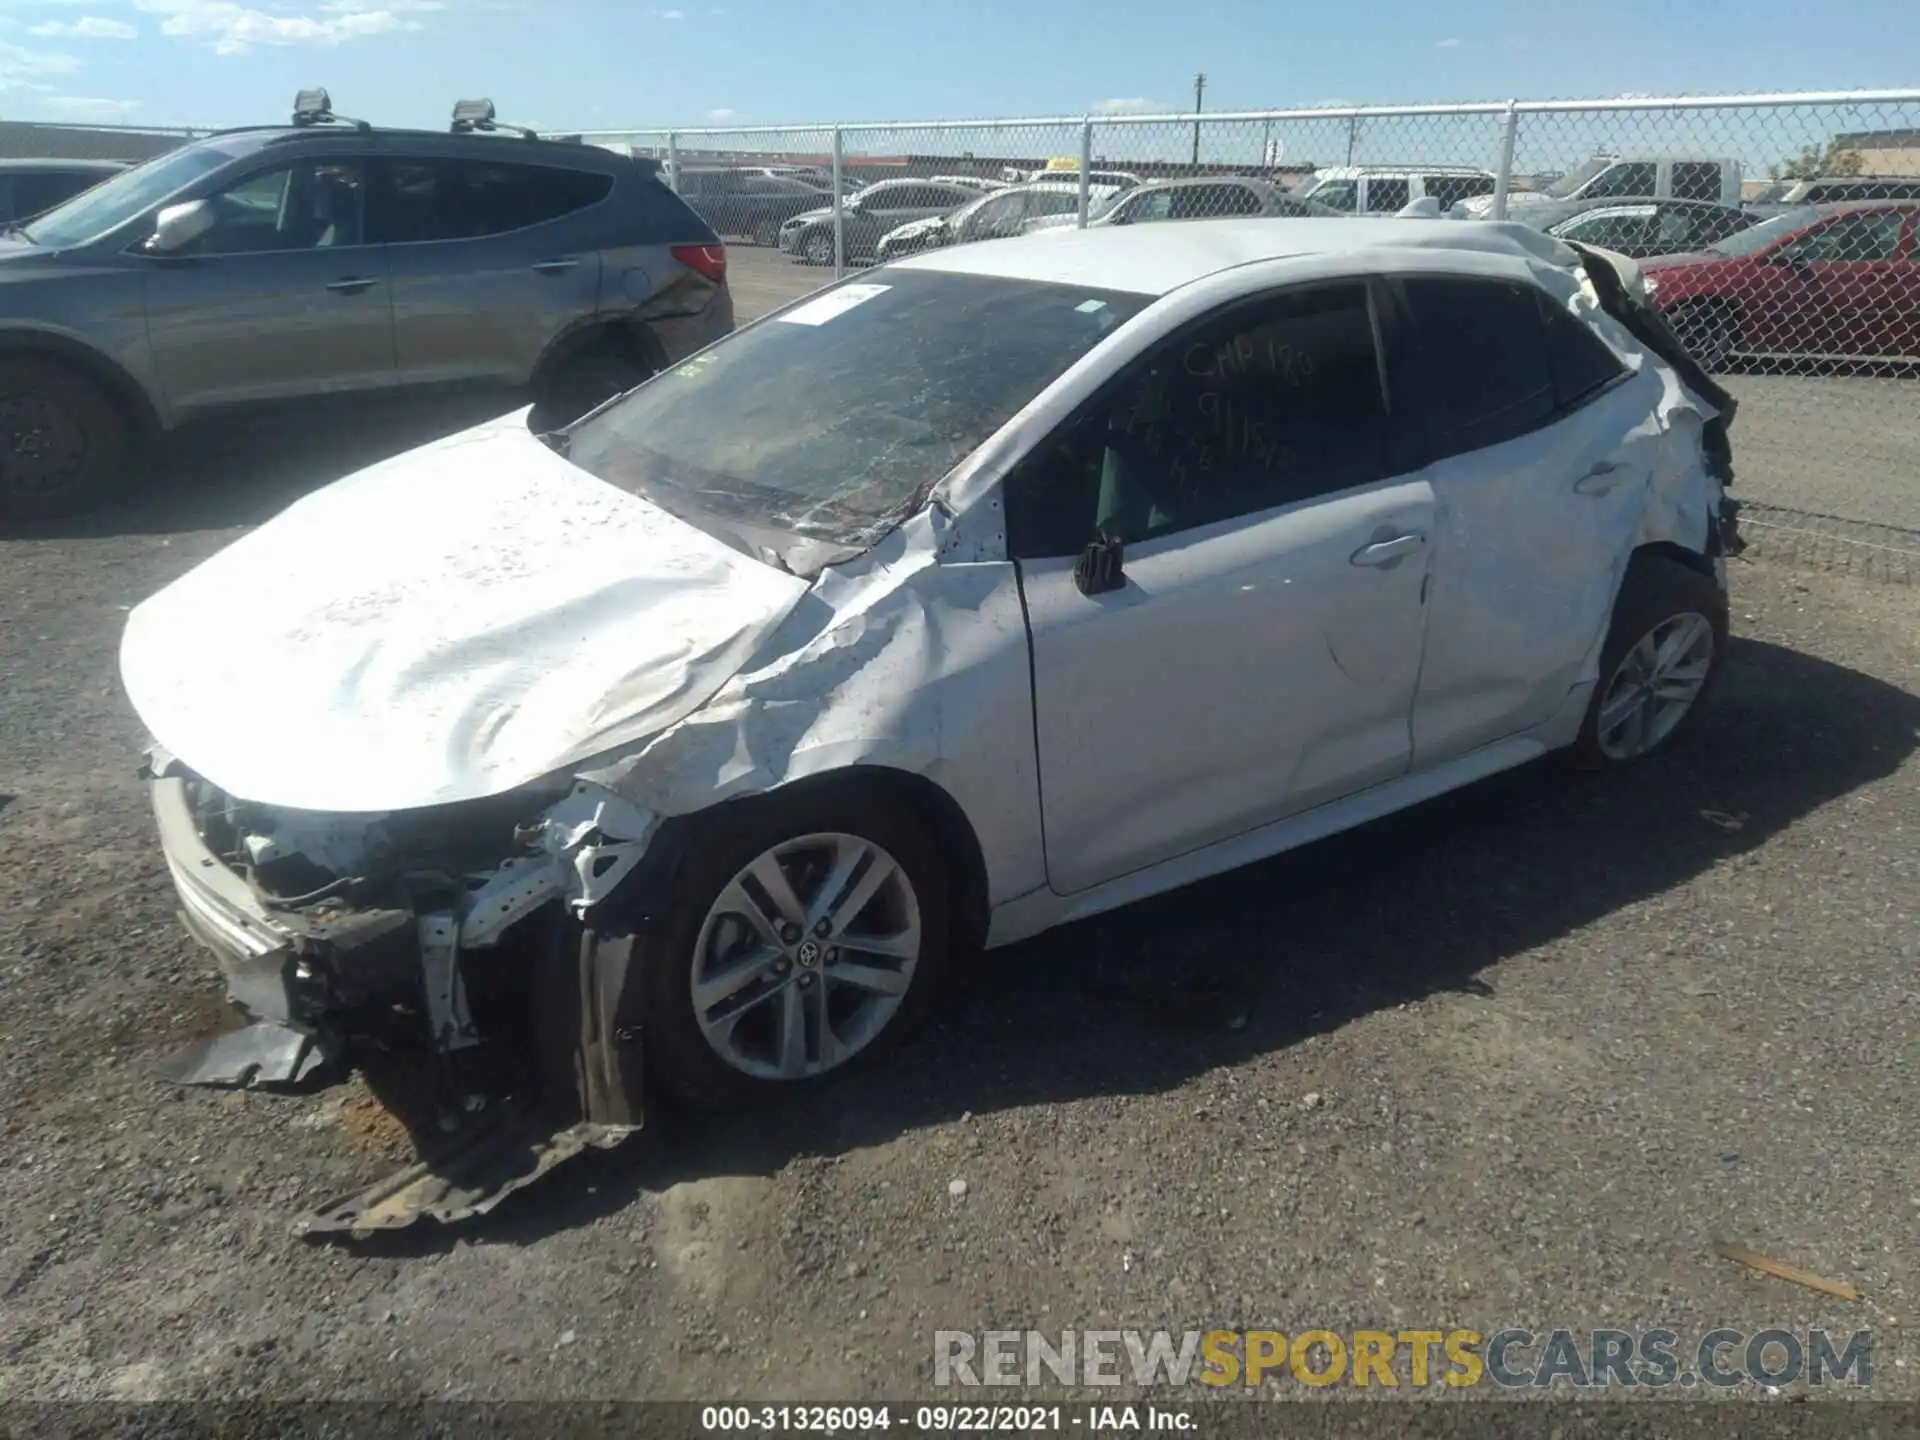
(1826, 281)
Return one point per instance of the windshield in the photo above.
(111, 204)
(832, 420)
(1747, 242)
(1564, 187)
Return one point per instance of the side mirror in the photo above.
(178, 226)
(1098, 569)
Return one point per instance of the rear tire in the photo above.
(586, 380)
(63, 441)
(685, 1043)
(1664, 648)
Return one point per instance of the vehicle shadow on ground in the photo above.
(240, 471)
(1246, 964)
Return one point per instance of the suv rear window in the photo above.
(437, 199)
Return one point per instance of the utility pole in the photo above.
(1199, 90)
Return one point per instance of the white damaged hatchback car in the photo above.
(1000, 587)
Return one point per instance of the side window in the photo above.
(1150, 205)
(1385, 196)
(1270, 403)
(310, 205)
(1871, 235)
(999, 216)
(1611, 230)
(1450, 190)
(1696, 180)
(1581, 362)
(1477, 372)
(417, 200)
(1337, 194)
(1639, 177)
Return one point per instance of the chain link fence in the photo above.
(1778, 232)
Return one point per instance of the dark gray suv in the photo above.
(327, 258)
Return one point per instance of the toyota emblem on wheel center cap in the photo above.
(808, 955)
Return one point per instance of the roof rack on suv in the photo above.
(315, 107)
(471, 115)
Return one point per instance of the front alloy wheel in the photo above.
(819, 249)
(805, 956)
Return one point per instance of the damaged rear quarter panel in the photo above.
(905, 659)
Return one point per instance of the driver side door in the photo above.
(280, 299)
(1261, 653)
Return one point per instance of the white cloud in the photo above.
(22, 69)
(1450, 43)
(232, 29)
(86, 107)
(87, 27)
(672, 14)
(1136, 105)
(724, 115)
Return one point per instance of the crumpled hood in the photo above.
(445, 625)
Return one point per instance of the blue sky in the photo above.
(571, 64)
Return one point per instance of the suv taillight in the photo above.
(708, 260)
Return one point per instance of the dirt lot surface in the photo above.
(1516, 1058)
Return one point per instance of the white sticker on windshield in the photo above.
(1088, 307)
(838, 302)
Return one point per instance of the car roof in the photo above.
(77, 167)
(378, 139)
(1187, 182)
(1157, 259)
(1355, 172)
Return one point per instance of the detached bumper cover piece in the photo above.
(263, 1056)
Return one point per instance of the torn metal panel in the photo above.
(457, 621)
(507, 1150)
(262, 1056)
(902, 659)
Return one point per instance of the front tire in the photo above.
(1664, 647)
(818, 249)
(63, 441)
(810, 935)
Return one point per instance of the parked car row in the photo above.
(320, 258)
(31, 187)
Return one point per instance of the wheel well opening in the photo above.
(114, 383)
(951, 831)
(1679, 555)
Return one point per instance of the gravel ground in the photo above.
(1518, 1057)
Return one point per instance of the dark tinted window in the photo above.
(464, 199)
(1201, 202)
(1582, 364)
(1477, 371)
(1696, 180)
(1449, 190)
(1387, 194)
(1867, 235)
(1636, 178)
(32, 193)
(833, 419)
(1271, 403)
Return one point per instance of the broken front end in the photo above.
(494, 936)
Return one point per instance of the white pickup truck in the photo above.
(1616, 177)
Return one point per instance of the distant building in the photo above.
(26, 140)
(1884, 152)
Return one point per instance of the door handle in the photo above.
(1599, 480)
(1385, 552)
(554, 267)
(353, 284)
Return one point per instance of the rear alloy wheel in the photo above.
(812, 935)
(1666, 642)
(63, 441)
(819, 248)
